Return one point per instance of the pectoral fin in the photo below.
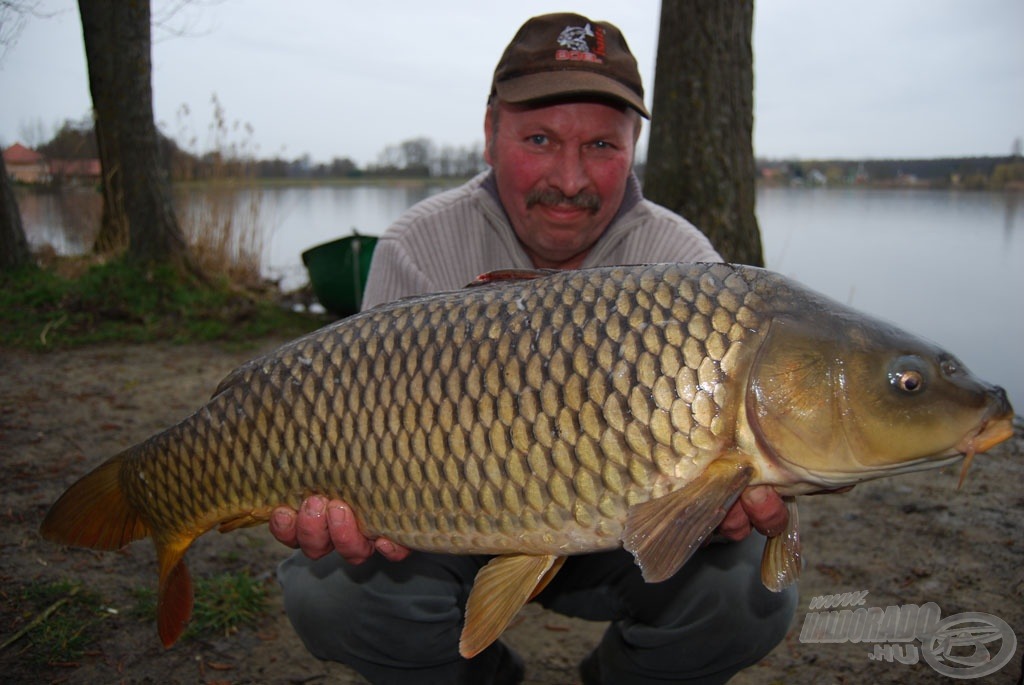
(780, 563)
(501, 589)
(663, 533)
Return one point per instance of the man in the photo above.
(561, 127)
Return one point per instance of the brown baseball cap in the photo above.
(567, 55)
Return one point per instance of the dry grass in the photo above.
(224, 226)
(222, 217)
(217, 200)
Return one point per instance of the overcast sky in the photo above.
(338, 78)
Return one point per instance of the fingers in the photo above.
(758, 507)
(344, 535)
(323, 526)
(311, 528)
(350, 542)
(392, 551)
(282, 526)
(765, 509)
(736, 524)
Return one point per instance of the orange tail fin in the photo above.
(94, 512)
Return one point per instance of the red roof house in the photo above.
(26, 165)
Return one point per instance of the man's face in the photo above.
(561, 172)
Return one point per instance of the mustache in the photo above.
(550, 197)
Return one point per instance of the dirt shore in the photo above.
(908, 540)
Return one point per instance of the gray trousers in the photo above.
(400, 622)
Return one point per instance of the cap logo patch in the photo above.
(576, 48)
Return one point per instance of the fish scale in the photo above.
(533, 416)
(500, 381)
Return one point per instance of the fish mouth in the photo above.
(990, 433)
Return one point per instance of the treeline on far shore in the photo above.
(969, 173)
(422, 158)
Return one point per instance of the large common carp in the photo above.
(543, 414)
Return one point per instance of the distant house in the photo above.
(75, 170)
(25, 165)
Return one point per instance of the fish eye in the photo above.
(907, 375)
(909, 381)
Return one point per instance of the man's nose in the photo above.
(568, 173)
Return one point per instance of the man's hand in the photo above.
(323, 526)
(759, 507)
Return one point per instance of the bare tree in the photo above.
(701, 158)
(13, 16)
(137, 209)
(34, 133)
(14, 252)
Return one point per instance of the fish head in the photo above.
(836, 398)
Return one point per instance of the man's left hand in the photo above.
(758, 507)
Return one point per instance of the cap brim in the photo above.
(548, 85)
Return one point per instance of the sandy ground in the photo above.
(907, 540)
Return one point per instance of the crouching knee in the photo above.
(375, 613)
(705, 625)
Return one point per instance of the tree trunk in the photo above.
(14, 252)
(137, 210)
(700, 161)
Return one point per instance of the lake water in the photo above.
(947, 265)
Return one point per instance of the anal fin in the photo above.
(780, 562)
(549, 575)
(500, 590)
(175, 596)
(663, 533)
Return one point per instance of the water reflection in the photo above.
(1012, 202)
(66, 221)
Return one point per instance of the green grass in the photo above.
(119, 301)
(60, 619)
(66, 611)
(224, 603)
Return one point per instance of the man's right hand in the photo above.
(323, 526)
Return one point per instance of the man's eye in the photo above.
(538, 139)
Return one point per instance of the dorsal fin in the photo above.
(510, 275)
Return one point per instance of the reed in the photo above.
(220, 207)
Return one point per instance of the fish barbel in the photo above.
(543, 414)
